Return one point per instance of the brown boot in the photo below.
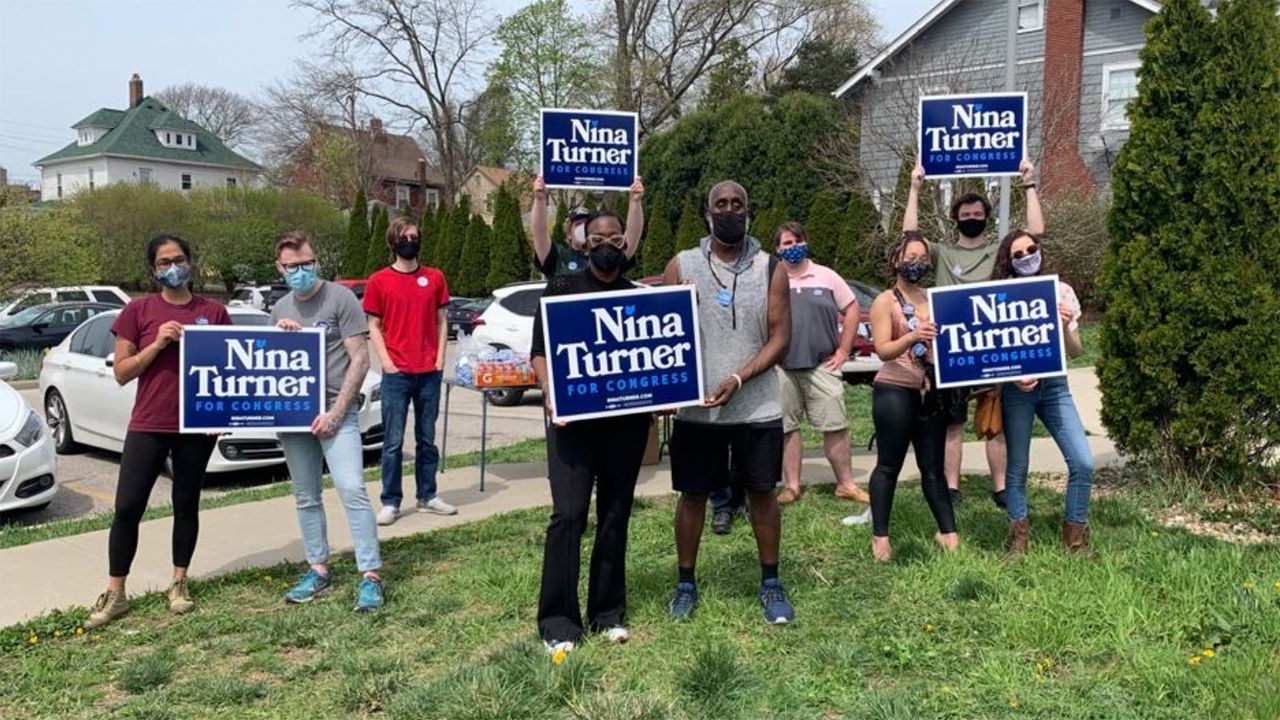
(1019, 536)
(1075, 538)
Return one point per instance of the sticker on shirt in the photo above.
(323, 325)
(724, 297)
(202, 320)
(422, 282)
(573, 264)
(957, 270)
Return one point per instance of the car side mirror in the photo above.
(111, 359)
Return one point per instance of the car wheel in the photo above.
(59, 422)
(505, 398)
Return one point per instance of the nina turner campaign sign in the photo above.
(997, 332)
(618, 353)
(588, 149)
(250, 378)
(967, 135)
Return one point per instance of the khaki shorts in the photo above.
(816, 393)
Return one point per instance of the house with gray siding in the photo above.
(1076, 59)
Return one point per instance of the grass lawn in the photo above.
(1161, 625)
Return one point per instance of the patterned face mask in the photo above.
(794, 254)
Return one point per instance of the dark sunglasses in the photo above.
(1026, 253)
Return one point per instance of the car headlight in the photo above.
(375, 394)
(30, 433)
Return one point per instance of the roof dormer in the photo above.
(174, 131)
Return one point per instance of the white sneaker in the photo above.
(556, 646)
(388, 514)
(437, 506)
(617, 635)
(861, 519)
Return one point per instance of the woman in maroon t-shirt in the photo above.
(147, 335)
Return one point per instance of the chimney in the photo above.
(375, 127)
(135, 90)
(422, 170)
(1061, 165)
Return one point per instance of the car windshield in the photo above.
(26, 317)
(252, 320)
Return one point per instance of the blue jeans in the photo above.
(398, 391)
(305, 454)
(1051, 400)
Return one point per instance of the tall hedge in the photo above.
(1191, 369)
(455, 238)
(378, 255)
(861, 246)
(357, 247)
(691, 228)
(473, 265)
(659, 240)
(824, 225)
(509, 250)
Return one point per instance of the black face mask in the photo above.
(729, 228)
(972, 227)
(407, 250)
(606, 258)
(913, 271)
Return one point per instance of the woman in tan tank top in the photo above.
(905, 407)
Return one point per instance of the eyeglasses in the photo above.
(617, 241)
(166, 263)
(291, 268)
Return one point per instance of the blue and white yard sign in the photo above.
(588, 149)
(237, 378)
(622, 352)
(967, 135)
(997, 331)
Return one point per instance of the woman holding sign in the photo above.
(907, 410)
(147, 335)
(1021, 255)
(604, 452)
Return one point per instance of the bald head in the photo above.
(727, 196)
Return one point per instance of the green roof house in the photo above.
(147, 142)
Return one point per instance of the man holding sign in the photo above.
(970, 259)
(744, 312)
(335, 432)
(604, 453)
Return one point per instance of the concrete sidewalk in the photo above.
(72, 570)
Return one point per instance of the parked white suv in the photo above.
(20, 300)
(508, 323)
(250, 296)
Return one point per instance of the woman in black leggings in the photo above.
(905, 407)
(147, 335)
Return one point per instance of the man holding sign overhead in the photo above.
(975, 136)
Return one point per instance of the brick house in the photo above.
(1077, 61)
(395, 169)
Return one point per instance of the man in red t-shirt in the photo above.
(406, 305)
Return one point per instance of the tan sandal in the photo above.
(789, 496)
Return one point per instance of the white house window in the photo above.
(1030, 15)
(432, 198)
(186, 181)
(191, 141)
(1119, 88)
(144, 174)
(231, 182)
(90, 178)
(59, 184)
(402, 196)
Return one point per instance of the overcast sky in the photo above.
(62, 59)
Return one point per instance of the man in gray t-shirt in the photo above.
(335, 433)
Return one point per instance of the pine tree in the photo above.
(508, 255)
(692, 227)
(427, 232)
(1190, 278)
(353, 256)
(473, 266)
(862, 248)
(659, 242)
(378, 256)
(451, 252)
(824, 226)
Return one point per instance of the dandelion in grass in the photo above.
(1277, 585)
(57, 633)
(33, 640)
(928, 628)
(1208, 652)
(1247, 585)
(79, 631)
(1155, 533)
(558, 657)
(1194, 660)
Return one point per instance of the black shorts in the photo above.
(955, 402)
(700, 456)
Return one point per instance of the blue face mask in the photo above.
(794, 254)
(174, 276)
(301, 279)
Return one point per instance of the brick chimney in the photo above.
(1061, 166)
(375, 128)
(422, 170)
(135, 90)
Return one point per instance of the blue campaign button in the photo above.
(724, 297)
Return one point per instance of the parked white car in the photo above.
(508, 323)
(28, 465)
(250, 296)
(84, 405)
(23, 299)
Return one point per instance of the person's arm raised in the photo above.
(635, 218)
(1035, 215)
(538, 220)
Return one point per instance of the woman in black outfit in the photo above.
(907, 410)
(604, 452)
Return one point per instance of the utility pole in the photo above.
(1010, 82)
